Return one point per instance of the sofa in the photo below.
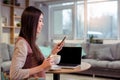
(104, 59)
(6, 56)
(6, 53)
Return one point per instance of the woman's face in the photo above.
(40, 24)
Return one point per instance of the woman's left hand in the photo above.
(57, 48)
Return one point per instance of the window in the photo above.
(102, 19)
(80, 29)
(69, 19)
(61, 21)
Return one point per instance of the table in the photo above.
(56, 73)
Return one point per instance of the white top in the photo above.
(18, 61)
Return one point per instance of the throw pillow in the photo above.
(10, 49)
(91, 55)
(104, 54)
(4, 52)
(45, 50)
(83, 52)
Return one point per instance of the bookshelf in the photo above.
(14, 9)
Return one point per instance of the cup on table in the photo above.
(55, 58)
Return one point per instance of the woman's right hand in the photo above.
(46, 63)
(43, 67)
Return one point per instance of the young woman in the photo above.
(28, 61)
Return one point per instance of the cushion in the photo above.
(114, 64)
(90, 50)
(83, 51)
(91, 61)
(117, 54)
(96, 63)
(45, 50)
(5, 66)
(104, 54)
(4, 52)
(102, 63)
(10, 49)
(91, 55)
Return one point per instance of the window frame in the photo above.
(51, 13)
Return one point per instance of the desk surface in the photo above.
(82, 67)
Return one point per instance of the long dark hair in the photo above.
(29, 23)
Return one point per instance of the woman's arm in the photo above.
(57, 48)
(18, 61)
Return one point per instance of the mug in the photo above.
(55, 58)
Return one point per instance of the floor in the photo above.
(75, 77)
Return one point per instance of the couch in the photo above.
(6, 56)
(104, 59)
(6, 53)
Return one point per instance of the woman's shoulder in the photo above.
(21, 40)
(20, 43)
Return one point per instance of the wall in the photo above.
(5, 31)
(43, 36)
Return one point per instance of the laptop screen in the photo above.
(70, 55)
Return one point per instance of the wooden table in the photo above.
(56, 73)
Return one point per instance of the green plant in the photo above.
(91, 39)
(6, 1)
(18, 24)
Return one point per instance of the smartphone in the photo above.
(62, 40)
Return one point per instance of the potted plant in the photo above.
(6, 1)
(91, 39)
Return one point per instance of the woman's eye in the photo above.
(40, 21)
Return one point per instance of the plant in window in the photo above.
(91, 40)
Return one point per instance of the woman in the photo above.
(28, 61)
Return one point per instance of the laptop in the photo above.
(70, 57)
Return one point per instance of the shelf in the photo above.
(17, 17)
(17, 27)
(20, 7)
(10, 27)
(10, 5)
(7, 5)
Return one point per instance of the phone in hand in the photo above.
(62, 41)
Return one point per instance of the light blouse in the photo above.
(18, 61)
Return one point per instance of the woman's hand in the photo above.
(57, 48)
(46, 63)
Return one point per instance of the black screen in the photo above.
(70, 55)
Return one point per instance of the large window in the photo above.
(102, 19)
(69, 19)
(61, 20)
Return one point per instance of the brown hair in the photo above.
(29, 22)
